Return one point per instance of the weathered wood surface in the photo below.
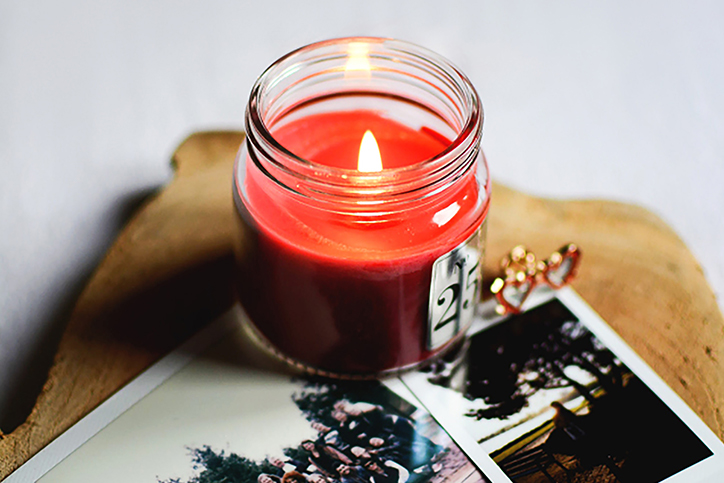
(169, 270)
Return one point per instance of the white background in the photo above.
(617, 100)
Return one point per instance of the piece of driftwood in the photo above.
(169, 272)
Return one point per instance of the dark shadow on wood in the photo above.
(30, 379)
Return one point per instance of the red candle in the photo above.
(361, 232)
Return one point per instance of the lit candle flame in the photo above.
(358, 61)
(369, 160)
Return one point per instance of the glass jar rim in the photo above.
(471, 126)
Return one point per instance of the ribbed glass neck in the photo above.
(408, 83)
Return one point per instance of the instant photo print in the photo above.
(554, 395)
(215, 412)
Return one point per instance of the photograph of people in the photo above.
(549, 402)
(365, 433)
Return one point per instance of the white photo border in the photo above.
(95, 421)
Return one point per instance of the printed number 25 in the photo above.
(449, 297)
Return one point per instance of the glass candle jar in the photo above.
(361, 193)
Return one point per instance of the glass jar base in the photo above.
(262, 343)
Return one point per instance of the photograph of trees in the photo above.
(365, 434)
(552, 404)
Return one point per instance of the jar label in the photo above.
(455, 290)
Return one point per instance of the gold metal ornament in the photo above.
(522, 272)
